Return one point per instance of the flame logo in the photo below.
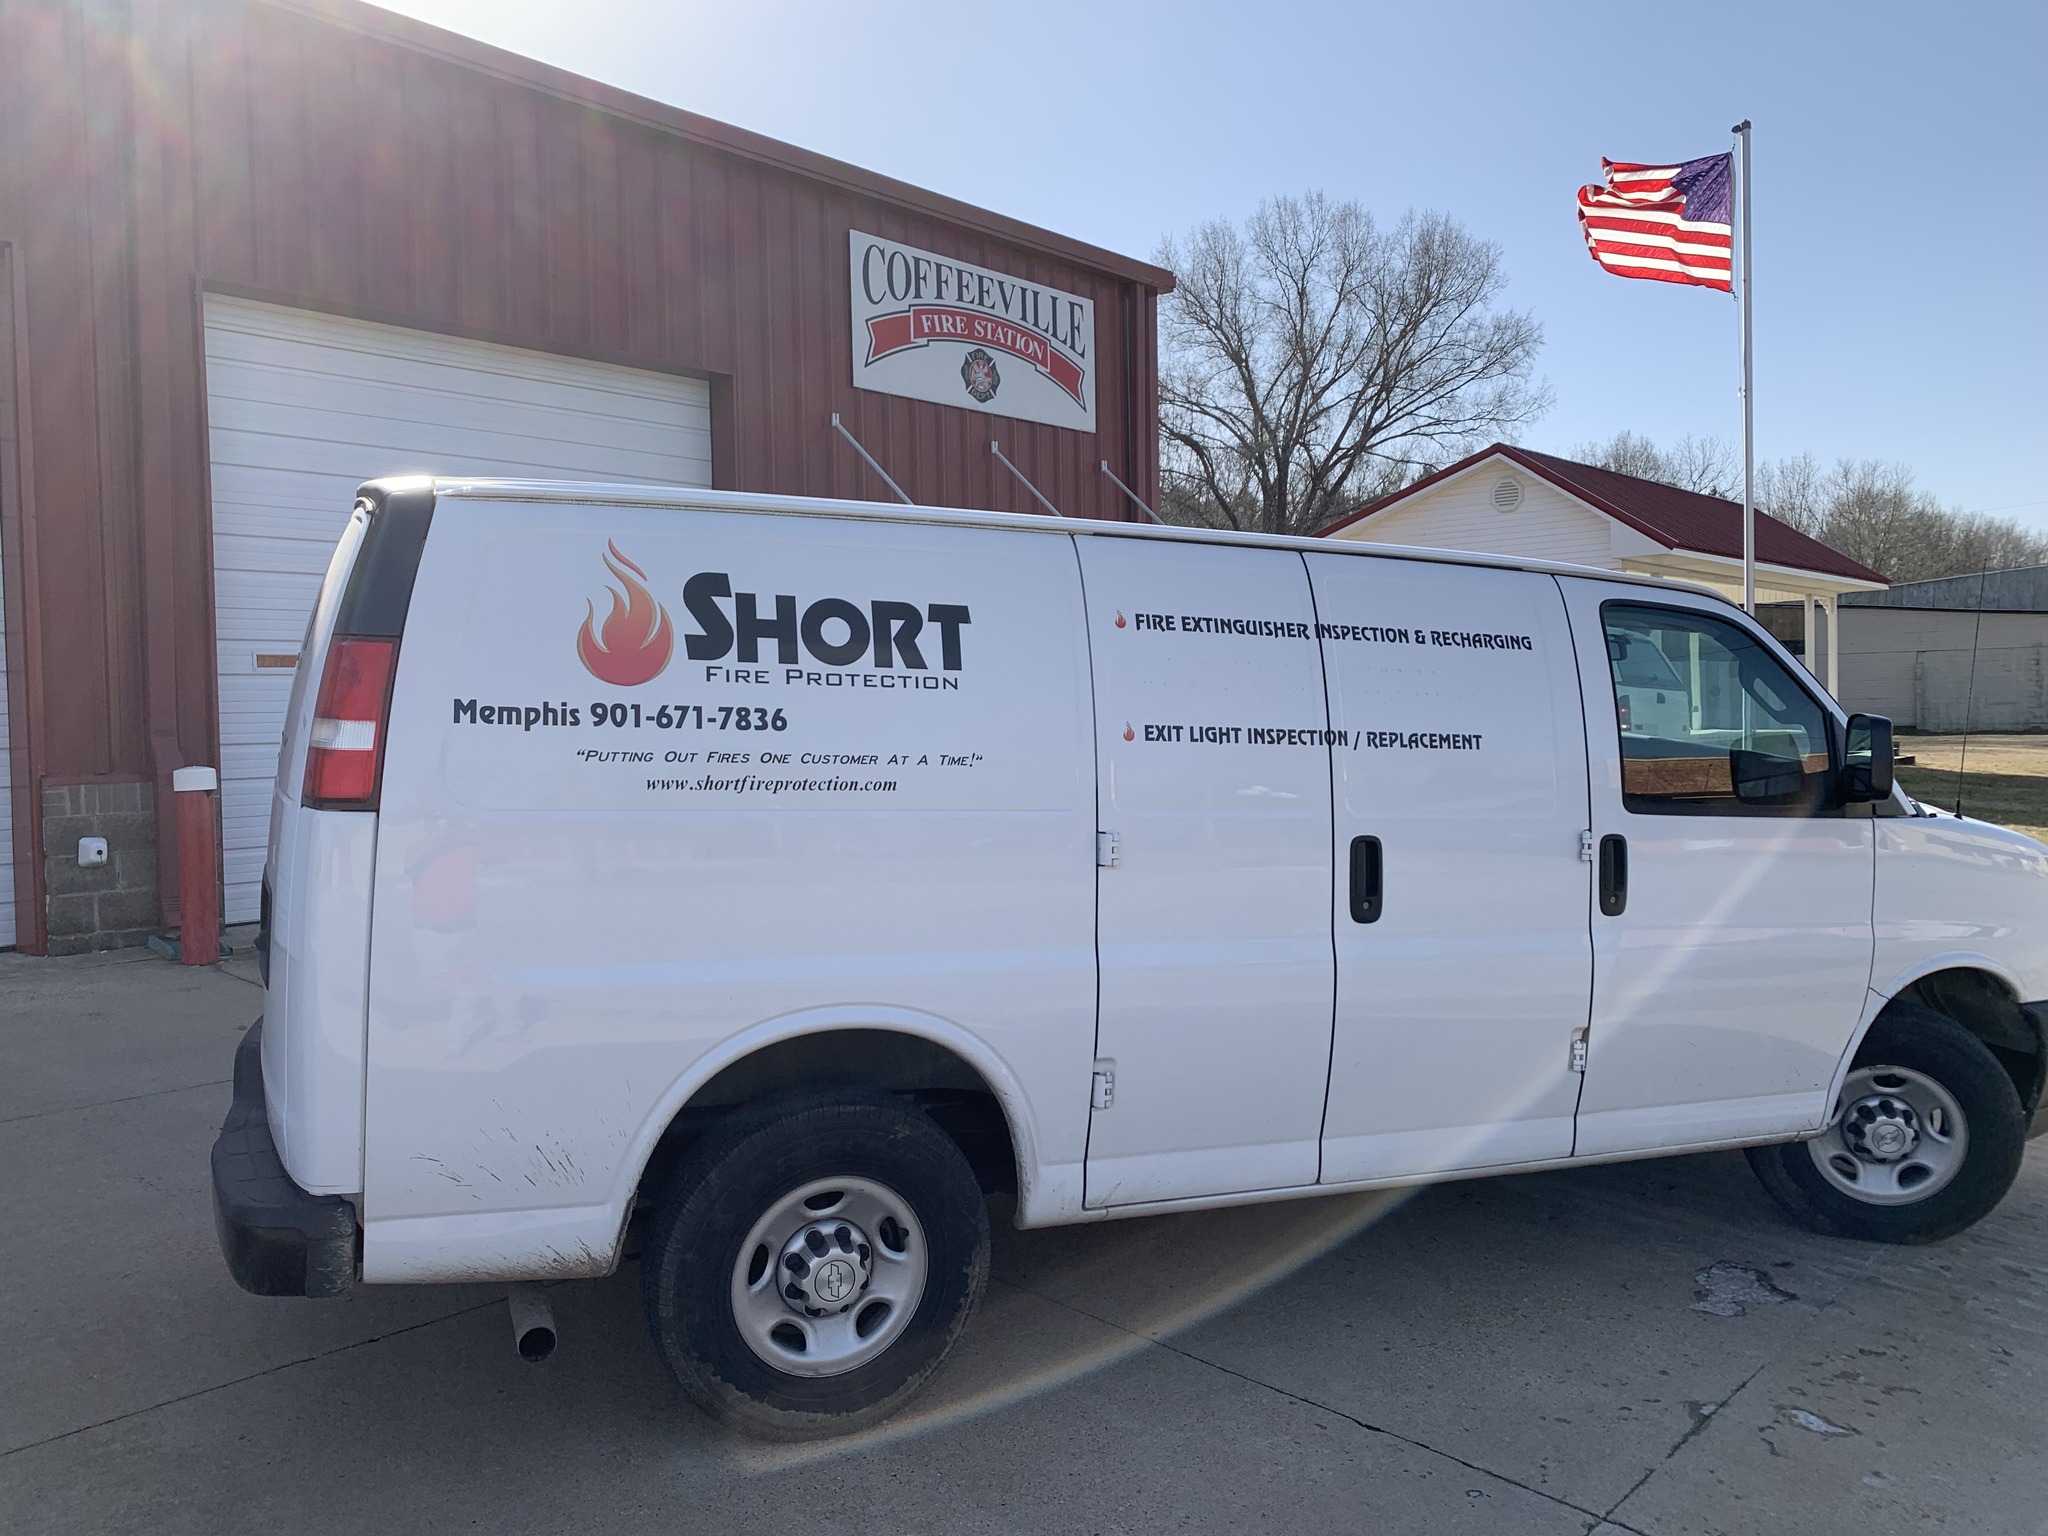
(638, 637)
(1119, 619)
(1129, 734)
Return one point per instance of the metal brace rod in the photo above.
(996, 448)
(840, 427)
(1135, 497)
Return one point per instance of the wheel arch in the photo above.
(967, 1089)
(1981, 996)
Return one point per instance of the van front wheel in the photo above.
(1925, 1140)
(814, 1262)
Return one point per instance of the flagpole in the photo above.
(1741, 131)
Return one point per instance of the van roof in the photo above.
(702, 500)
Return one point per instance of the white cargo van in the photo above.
(756, 883)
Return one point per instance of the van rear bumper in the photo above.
(278, 1240)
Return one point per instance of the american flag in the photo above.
(1673, 223)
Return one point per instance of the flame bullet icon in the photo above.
(1119, 620)
(638, 638)
(1129, 734)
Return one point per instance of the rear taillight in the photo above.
(345, 752)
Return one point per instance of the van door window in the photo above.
(1711, 723)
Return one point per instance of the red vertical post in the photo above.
(198, 865)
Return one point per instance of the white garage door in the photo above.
(302, 408)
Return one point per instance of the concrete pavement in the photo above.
(1639, 1348)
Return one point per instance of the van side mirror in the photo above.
(1761, 778)
(1867, 760)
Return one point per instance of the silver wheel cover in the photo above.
(1897, 1138)
(829, 1277)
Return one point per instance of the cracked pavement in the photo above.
(1645, 1347)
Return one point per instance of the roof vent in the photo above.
(1507, 494)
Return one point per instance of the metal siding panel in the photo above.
(787, 322)
(222, 153)
(672, 323)
(812, 273)
(567, 237)
(434, 277)
(115, 534)
(482, 210)
(335, 207)
(63, 415)
(642, 319)
(524, 236)
(277, 107)
(605, 272)
(712, 242)
(753, 368)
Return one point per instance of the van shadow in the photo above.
(1410, 1268)
(1062, 1302)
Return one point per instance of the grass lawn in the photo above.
(2005, 780)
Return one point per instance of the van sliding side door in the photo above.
(1464, 964)
(1214, 916)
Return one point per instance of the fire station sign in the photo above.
(936, 329)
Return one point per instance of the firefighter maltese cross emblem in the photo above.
(978, 373)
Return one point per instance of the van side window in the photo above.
(1711, 723)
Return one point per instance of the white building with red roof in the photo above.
(1505, 500)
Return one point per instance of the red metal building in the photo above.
(253, 251)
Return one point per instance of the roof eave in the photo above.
(1766, 568)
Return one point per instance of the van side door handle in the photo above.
(1613, 875)
(1366, 865)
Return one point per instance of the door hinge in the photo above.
(1102, 1092)
(1107, 847)
(1579, 1049)
(1586, 846)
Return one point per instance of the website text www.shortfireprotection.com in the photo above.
(745, 783)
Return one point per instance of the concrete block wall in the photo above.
(1928, 668)
(114, 904)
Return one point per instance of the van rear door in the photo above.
(667, 785)
(1214, 920)
(1464, 965)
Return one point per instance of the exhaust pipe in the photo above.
(533, 1322)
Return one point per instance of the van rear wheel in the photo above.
(1925, 1140)
(814, 1262)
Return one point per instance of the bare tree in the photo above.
(1708, 465)
(1313, 360)
(1871, 513)
(1874, 513)
(1795, 491)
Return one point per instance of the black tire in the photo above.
(1934, 1045)
(738, 1172)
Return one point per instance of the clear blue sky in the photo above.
(1901, 154)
